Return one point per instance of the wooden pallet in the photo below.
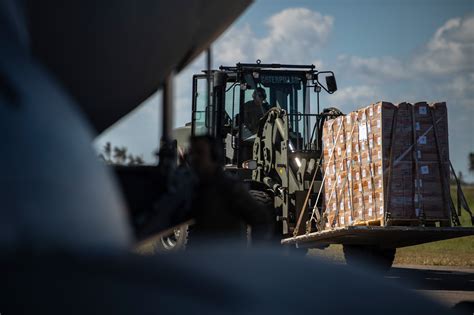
(376, 222)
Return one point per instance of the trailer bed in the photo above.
(390, 236)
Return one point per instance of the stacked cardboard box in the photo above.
(387, 164)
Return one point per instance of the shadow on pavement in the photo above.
(432, 279)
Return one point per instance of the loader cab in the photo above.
(225, 111)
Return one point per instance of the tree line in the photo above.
(119, 155)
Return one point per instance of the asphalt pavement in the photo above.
(452, 286)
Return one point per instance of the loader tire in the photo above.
(173, 242)
(264, 199)
(369, 256)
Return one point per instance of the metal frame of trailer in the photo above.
(381, 236)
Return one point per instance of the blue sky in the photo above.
(418, 50)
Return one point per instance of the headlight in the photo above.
(298, 161)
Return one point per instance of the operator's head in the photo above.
(206, 155)
(259, 95)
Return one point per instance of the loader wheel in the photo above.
(175, 241)
(266, 201)
(369, 256)
(262, 197)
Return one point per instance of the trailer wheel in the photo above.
(372, 256)
(175, 241)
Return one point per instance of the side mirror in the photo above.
(250, 165)
(331, 83)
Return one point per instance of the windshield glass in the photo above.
(286, 91)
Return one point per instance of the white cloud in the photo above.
(293, 36)
(451, 50)
(351, 97)
(374, 69)
(237, 44)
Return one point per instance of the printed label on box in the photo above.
(369, 185)
(362, 132)
(370, 212)
(425, 169)
(371, 143)
(371, 112)
(422, 110)
(422, 140)
(342, 219)
(363, 173)
(380, 183)
(357, 176)
(418, 154)
(370, 198)
(379, 141)
(378, 123)
(379, 154)
(417, 126)
(417, 197)
(381, 210)
(417, 212)
(339, 151)
(360, 213)
(419, 183)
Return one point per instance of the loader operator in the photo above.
(221, 206)
(255, 109)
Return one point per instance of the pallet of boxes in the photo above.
(387, 165)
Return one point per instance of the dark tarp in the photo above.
(112, 55)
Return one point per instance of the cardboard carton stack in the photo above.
(387, 164)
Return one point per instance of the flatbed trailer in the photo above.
(380, 236)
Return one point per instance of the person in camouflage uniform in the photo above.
(221, 205)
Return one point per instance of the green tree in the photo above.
(120, 155)
(107, 152)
